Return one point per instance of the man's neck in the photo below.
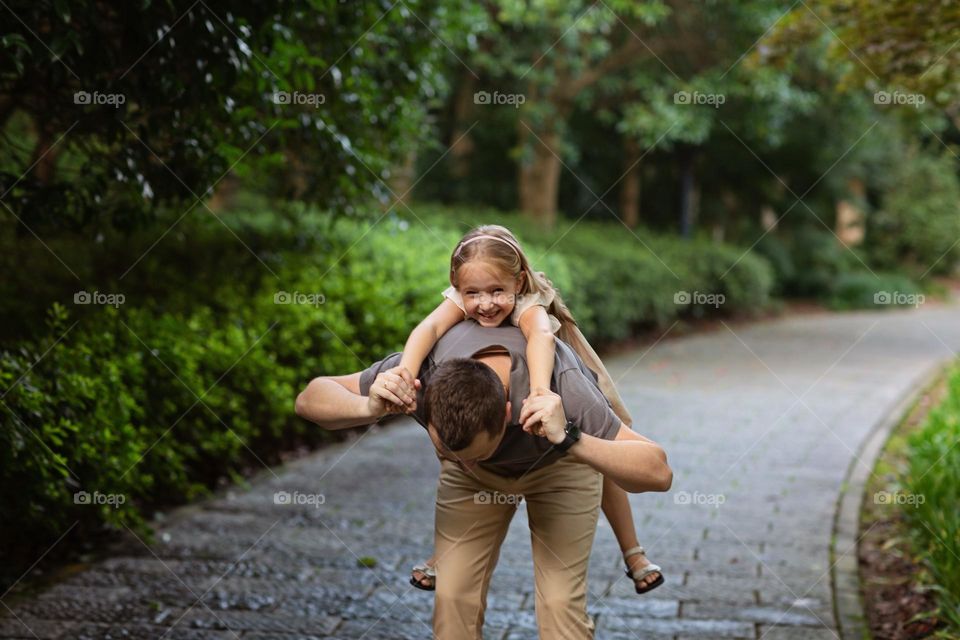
(501, 364)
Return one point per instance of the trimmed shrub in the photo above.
(865, 290)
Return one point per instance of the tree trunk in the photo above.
(630, 186)
(402, 179)
(224, 194)
(461, 142)
(689, 193)
(44, 158)
(539, 176)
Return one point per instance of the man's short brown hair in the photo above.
(464, 397)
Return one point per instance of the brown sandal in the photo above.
(429, 573)
(643, 573)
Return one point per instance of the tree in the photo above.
(679, 100)
(544, 56)
(112, 111)
(897, 45)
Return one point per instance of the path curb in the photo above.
(844, 562)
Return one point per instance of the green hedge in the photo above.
(113, 406)
(618, 282)
(162, 398)
(932, 481)
(812, 263)
(877, 290)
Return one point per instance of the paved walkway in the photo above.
(760, 422)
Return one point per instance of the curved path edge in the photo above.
(844, 545)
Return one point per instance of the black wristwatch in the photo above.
(572, 437)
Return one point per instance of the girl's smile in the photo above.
(489, 296)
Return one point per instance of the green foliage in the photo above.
(617, 283)
(778, 254)
(813, 263)
(919, 221)
(312, 99)
(878, 290)
(934, 473)
(900, 43)
(818, 260)
(159, 406)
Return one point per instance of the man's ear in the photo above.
(506, 418)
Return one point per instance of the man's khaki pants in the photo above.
(474, 509)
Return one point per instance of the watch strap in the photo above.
(571, 437)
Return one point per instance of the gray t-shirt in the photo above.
(519, 452)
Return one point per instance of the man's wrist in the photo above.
(555, 440)
(571, 436)
(367, 411)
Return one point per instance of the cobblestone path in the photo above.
(761, 423)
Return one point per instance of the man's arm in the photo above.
(635, 463)
(335, 402)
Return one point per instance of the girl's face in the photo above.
(489, 295)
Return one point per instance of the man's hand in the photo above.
(393, 391)
(542, 415)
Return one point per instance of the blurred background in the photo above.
(205, 204)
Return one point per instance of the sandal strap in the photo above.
(426, 570)
(634, 551)
(643, 573)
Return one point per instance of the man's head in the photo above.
(466, 410)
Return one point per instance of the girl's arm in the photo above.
(425, 335)
(535, 325)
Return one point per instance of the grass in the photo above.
(932, 477)
(910, 523)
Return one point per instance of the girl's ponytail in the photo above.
(570, 333)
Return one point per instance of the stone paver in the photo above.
(761, 423)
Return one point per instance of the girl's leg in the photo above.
(616, 508)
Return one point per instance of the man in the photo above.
(471, 395)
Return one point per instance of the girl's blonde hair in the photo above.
(497, 246)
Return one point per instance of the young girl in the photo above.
(492, 282)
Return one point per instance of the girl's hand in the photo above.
(393, 391)
(542, 415)
(413, 384)
(538, 391)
